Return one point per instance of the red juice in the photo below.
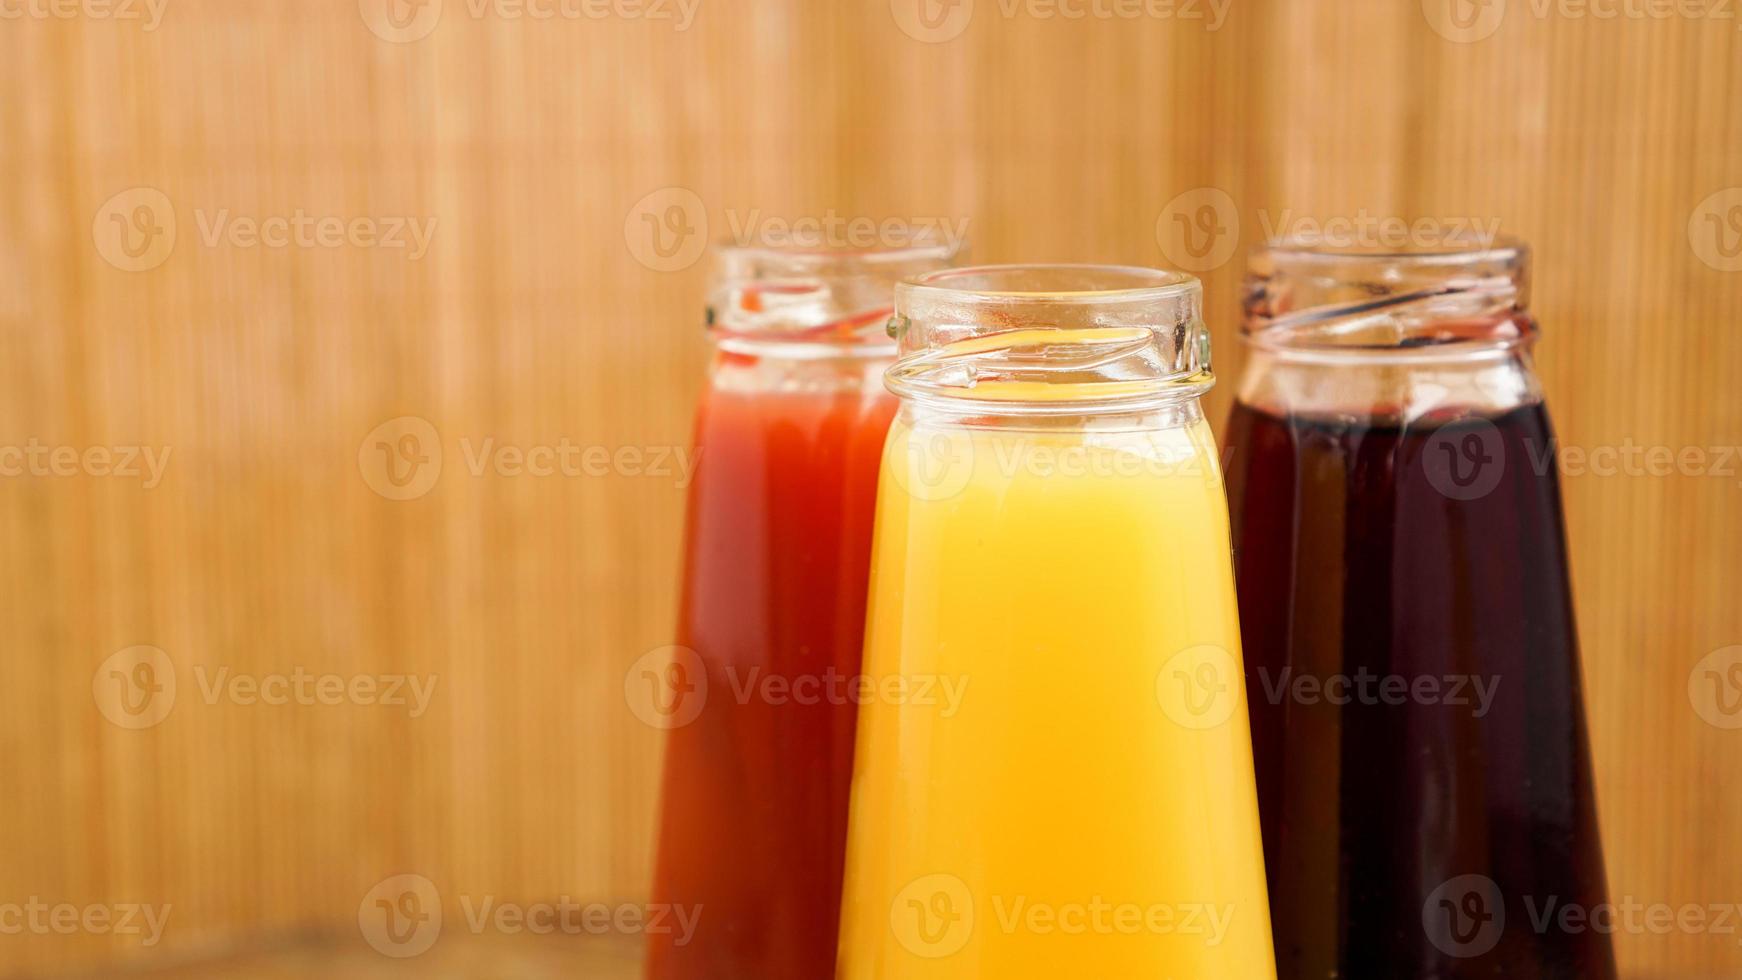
(754, 823)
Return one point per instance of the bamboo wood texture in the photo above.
(542, 312)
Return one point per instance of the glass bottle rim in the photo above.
(1049, 339)
(799, 256)
(1464, 297)
(1113, 284)
(1450, 252)
(803, 300)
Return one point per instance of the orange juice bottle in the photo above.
(1054, 772)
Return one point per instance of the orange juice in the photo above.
(1085, 807)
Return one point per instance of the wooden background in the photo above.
(534, 145)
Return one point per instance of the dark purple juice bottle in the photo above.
(1412, 661)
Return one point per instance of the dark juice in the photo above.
(755, 793)
(1424, 781)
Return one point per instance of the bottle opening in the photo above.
(814, 301)
(1466, 296)
(1051, 339)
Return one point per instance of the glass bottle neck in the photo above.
(1404, 389)
(1402, 335)
(812, 304)
(774, 369)
(1043, 341)
(1171, 414)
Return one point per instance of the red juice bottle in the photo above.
(759, 699)
(1424, 781)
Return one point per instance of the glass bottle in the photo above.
(1054, 772)
(1413, 666)
(757, 696)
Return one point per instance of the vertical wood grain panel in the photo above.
(531, 321)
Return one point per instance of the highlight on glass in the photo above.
(760, 714)
(1052, 540)
(1413, 666)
